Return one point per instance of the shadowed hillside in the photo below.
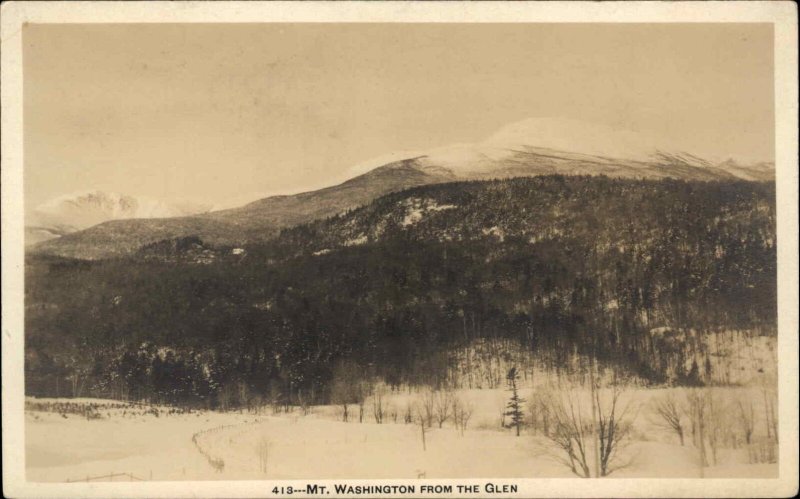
(255, 222)
(639, 274)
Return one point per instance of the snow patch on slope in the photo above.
(416, 209)
(357, 241)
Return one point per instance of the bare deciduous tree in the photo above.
(695, 408)
(461, 414)
(668, 414)
(378, 405)
(408, 413)
(716, 423)
(363, 390)
(770, 417)
(570, 433)
(421, 420)
(539, 412)
(426, 405)
(442, 406)
(746, 416)
(613, 428)
(302, 401)
(586, 436)
(346, 388)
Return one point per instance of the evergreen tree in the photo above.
(514, 408)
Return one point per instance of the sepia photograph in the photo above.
(376, 257)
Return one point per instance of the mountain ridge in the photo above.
(81, 210)
(504, 155)
(253, 222)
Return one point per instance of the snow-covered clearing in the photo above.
(157, 445)
(416, 209)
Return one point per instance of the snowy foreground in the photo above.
(140, 443)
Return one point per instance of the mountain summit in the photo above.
(541, 146)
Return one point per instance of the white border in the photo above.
(782, 14)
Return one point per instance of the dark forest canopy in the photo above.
(556, 264)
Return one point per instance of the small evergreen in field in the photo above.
(514, 409)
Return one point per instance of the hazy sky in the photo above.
(217, 112)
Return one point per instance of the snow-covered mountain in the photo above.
(78, 211)
(540, 146)
(529, 148)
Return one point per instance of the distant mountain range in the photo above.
(529, 148)
(75, 212)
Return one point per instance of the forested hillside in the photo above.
(255, 222)
(637, 273)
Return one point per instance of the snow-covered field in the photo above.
(149, 444)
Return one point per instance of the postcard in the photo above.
(399, 249)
